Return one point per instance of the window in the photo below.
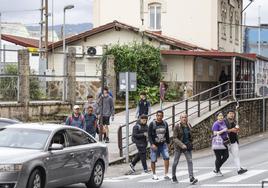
(211, 70)
(155, 16)
(199, 69)
(236, 26)
(223, 18)
(77, 138)
(231, 17)
(59, 138)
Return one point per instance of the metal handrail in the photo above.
(211, 94)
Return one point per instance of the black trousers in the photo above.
(221, 157)
(140, 156)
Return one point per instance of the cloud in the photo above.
(81, 13)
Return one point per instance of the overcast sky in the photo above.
(82, 11)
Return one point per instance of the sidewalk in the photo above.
(121, 169)
(119, 119)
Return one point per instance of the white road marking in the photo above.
(206, 176)
(237, 178)
(231, 185)
(161, 178)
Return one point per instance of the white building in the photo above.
(200, 22)
(11, 44)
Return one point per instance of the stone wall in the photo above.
(250, 122)
(38, 111)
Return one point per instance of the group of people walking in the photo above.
(157, 135)
(224, 137)
(96, 115)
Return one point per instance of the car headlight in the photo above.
(10, 167)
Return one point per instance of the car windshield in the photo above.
(23, 138)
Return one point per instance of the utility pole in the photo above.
(46, 30)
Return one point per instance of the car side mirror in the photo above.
(54, 147)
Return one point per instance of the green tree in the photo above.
(143, 59)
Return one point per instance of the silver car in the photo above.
(48, 155)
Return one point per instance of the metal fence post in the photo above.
(198, 106)
(209, 102)
(186, 106)
(120, 142)
(173, 116)
(220, 96)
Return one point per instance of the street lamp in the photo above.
(67, 7)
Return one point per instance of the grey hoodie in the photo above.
(108, 106)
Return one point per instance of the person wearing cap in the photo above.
(219, 128)
(233, 130)
(144, 106)
(90, 102)
(140, 138)
(76, 119)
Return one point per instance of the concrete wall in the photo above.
(179, 68)
(192, 21)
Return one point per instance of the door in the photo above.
(83, 147)
(59, 163)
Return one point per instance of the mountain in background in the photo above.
(71, 29)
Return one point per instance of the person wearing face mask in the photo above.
(233, 130)
(219, 128)
(140, 138)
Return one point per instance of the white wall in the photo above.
(179, 68)
(92, 65)
(193, 21)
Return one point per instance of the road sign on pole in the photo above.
(127, 82)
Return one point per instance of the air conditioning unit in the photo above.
(79, 50)
(93, 51)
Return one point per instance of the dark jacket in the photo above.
(158, 133)
(232, 136)
(138, 135)
(178, 136)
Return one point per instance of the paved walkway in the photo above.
(120, 120)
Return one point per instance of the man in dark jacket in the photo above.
(182, 137)
(144, 106)
(158, 135)
(140, 138)
(233, 129)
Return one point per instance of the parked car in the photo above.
(48, 155)
(6, 121)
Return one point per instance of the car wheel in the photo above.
(97, 176)
(35, 180)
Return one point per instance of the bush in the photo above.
(143, 59)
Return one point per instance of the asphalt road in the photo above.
(253, 156)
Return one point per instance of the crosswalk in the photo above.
(205, 176)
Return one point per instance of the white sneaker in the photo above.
(155, 177)
(218, 174)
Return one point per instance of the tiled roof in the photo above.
(25, 42)
(118, 26)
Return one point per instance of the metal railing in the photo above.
(193, 106)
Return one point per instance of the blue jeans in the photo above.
(161, 149)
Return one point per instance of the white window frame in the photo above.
(155, 6)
